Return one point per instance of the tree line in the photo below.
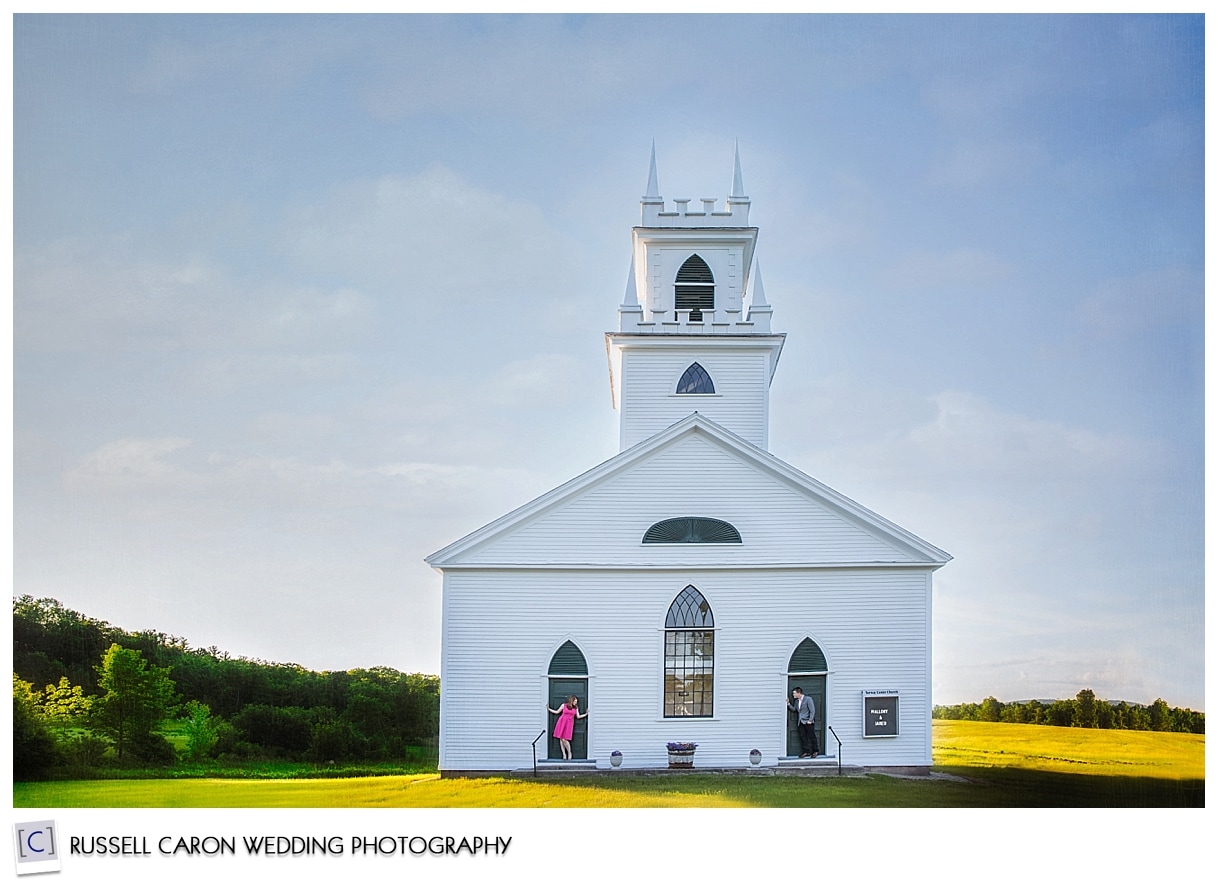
(89, 695)
(1084, 711)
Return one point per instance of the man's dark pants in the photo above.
(807, 738)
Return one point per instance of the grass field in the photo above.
(989, 764)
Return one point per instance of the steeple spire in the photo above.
(631, 300)
(759, 310)
(653, 181)
(737, 178)
(758, 289)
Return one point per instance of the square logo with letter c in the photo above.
(36, 847)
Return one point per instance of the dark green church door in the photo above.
(813, 686)
(807, 670)
(560, 688)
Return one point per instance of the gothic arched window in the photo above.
(695, 381)
(695, 288)
(689, 656)
(568, 661)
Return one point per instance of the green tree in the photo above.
(1160, 716)
(202, 729)
(991, 710)
(1084, 709)
(34, 750)
(137, 698)
(63, 705)
(1060, 713)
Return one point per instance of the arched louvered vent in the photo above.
(568, 661)
(695, 288)
(807, 658)
(692, 530)
(695, 271)
(695, 381)
(689, 610)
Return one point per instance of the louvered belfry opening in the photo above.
(695, 288)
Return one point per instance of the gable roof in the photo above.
(905, 547)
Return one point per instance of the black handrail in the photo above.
(839, 748)
(538, 738)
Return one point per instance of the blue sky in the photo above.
(298, 301)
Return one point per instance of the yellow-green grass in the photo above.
(1171, 755)
(398, 791)
(989, 765)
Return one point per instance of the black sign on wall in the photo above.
(881, 718)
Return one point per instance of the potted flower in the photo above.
(615, 758)
(755, 756)
(681, 754)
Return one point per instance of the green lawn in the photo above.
(991, 764)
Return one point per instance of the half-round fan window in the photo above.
(691, 530)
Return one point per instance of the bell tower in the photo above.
(694, 325)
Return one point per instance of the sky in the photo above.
(300, 300)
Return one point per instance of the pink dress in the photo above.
(565, 726)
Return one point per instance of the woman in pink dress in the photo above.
(568, 713)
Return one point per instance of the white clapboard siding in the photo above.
(779, 523)
(501, 628)
(740, 403)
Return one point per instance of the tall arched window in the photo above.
(695, 381)
(689, 656)
(695, 287)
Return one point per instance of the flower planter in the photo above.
(615, 758)
(680, 759)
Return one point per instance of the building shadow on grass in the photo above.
(956, 787)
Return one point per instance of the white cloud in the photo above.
(501, 71)
(114, 295)
(1131, 305)
(985, 99)
(971, 437)
(432, 241)
(975, 163)
(960, 268)
(133, 464)
(266, 59)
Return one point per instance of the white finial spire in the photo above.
(652, 203)
(758, 298)
(759, 310)
(653, 181)
(632, 294)
(737, 178)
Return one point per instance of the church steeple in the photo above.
(684, 305)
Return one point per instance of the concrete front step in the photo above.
(821, 765)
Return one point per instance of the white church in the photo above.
(682, 588)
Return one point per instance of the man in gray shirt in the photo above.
(805, 709)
